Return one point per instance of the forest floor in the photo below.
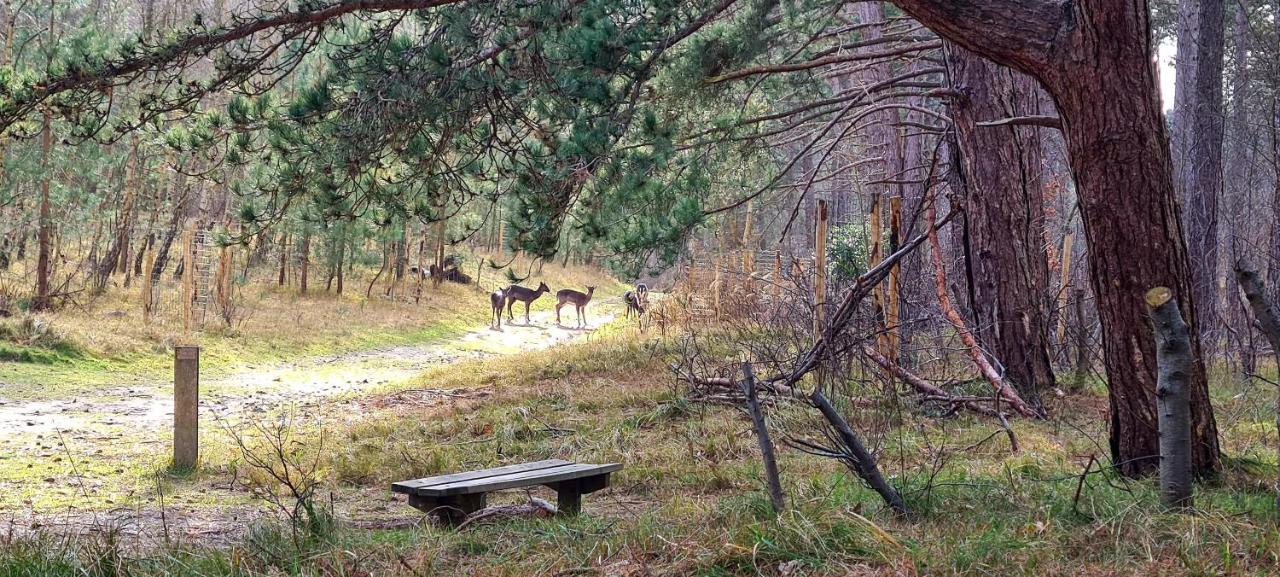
(690, 500)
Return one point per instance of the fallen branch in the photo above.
(534, 508)
(1002, 388)
(930, 390)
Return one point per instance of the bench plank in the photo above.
(416, 484)
(521, 479)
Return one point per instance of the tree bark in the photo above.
(1004, 217)
(1173, 356)
(1197, 147)
(1268, 320)
(1094, 57)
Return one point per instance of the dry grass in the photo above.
(691, 502)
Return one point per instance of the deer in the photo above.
(634, 304)
(642, 294)
(496, 300)
(577, 299)
(516, 292)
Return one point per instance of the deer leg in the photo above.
(526, 312)
(558, 305)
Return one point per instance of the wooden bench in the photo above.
(453, 497)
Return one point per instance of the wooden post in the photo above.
(1063, 285)
(186, 403)
(875, 253)
(718, 279)
(776, 496)
(188, 278)
(1173, 396)
(892, 296)
(777, 275)
(820, 271)
(748, 255)
(148, 295)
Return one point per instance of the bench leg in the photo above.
(569, 493)
(450, 510)
(568, 498)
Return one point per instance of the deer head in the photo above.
(543, 288)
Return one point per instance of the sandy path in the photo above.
(301, 383)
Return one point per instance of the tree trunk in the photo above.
(284, 259)
(1197, 147)
(1094, 58)
(1173, 356)
(1268, 320)
(42, 299)
(1004, 217)
(306, 261)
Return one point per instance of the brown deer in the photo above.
(577, 299)
(634, 304)
(516, 292)
(642, 294)
(496, 300)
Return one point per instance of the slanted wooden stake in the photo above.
(186, 402)
(820, 271)
(858, 458)
(1265, 313)
(762, 435)
(1173, 399)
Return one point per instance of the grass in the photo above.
(691, 501)
(107, 339)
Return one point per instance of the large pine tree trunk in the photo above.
(1004, 217)
(1094, 58)
(1197, 147)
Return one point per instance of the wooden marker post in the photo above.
(820, 271)
(186, 402)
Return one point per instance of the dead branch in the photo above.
(930, 390)
(1002, 389)
(534, 508)
(1042, 121)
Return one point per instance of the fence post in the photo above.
(186, 402)
(188, 279)
(892, 298)
(820, 271)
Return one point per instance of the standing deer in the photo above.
(577, 299)
(634, 305)
(516, 292)
(642, 294)
(496, 300)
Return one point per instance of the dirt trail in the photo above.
(303, 383)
